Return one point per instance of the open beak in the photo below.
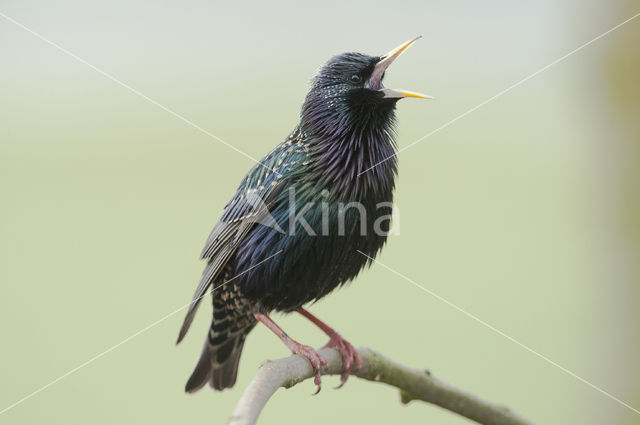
(375, 81)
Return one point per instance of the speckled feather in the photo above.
(344, 130)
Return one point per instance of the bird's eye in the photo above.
(356, 79)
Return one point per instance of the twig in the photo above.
(413, 385)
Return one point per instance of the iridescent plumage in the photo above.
(345, 128)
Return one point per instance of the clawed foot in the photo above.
(349, 355)
(316, 360)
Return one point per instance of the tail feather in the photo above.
(232, 321)
(203, 370)
(225, 376)
(217, 365)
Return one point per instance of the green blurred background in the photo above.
(524, 213)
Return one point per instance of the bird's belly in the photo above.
(290, 268)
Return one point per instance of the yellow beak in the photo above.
(404, 93)
(395, 53)
(375, 80)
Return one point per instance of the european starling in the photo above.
(303, 219)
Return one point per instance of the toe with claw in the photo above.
(349, 355)
(317, 362)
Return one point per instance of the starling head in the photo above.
(348, 92)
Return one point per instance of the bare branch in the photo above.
(413, 385)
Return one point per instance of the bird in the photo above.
(306, 219)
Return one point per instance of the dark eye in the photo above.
(355, 78)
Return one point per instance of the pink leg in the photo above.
(305, 351)
(349, 354)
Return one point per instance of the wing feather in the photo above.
(256, 196)
(222, 244)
